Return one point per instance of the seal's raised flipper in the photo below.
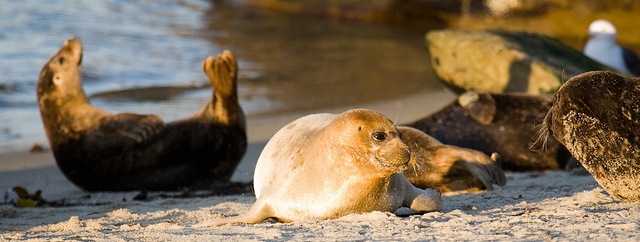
(257, 213)
(222, 72)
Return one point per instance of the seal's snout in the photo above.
(74, 46)
(401, 155)
(409, 158)
(70, 40)
(407, 153)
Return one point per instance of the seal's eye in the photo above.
(379, 136)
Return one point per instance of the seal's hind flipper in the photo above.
(222, 72)
(257, 213)
(487, 172)
(449, 168)
(472, 170)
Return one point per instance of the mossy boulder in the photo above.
(500, 61)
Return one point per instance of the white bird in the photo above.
(602, 47)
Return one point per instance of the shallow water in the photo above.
(145, 57)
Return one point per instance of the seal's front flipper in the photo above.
(427, 200)
(138, 128)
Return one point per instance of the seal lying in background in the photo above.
(99, 151)
(325, 166)
(449, 168)
(596, 115)
(501, 123)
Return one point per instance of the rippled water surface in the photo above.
(145, 56)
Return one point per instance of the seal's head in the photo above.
(64, 107)
(373, 139)
(60, 77)
(598, 94)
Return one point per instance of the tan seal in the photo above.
(449, 168)
(325, 166)
(97, 150)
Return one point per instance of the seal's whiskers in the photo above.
(542, 137)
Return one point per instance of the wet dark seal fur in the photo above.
(596, 115)
(99, 151)
(501, 123)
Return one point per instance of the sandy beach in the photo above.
(554, 205)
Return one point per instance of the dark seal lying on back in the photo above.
(501, 123)
(100, 151)
(596, 115)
